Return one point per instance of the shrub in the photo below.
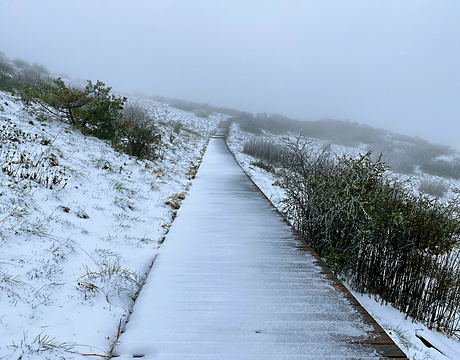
(178, 126)
(397, 158)
(139, 135)
(266, 150)
(403, 153)
(377, 232)
(17, 74)
(94, 110)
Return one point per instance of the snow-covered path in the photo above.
(233, 282)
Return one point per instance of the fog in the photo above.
(387, 63)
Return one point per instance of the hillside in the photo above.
(80, 226)
(404, 154)
(81, 222)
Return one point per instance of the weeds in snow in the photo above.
(123, 189)
(41, 167)
(108, 277)
(19, 210)
(403, 336)
(8, 285)
(10, 132)
(175, 200)
(40, 344)
(59, 251)
(191, 173)
(103, 164)
(46, 269)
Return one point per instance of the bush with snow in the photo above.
(376, 231)
(139, 136)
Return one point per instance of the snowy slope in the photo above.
(401, 329)
(77, 241)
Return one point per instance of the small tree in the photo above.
(138, 133)
(100, 114)
(92, 109)
(57, 99)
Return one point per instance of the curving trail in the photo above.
(234, 281)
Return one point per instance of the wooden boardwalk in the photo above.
(234, 281)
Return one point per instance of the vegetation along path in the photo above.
(234, 281)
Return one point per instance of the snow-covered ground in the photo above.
(77, 241)
(401, 329)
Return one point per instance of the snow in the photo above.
(73, 257)
(231, 283)
(402, 330)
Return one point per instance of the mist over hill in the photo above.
(404, 154)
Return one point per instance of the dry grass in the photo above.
(174, 201)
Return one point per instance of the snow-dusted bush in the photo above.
(374, 230)
(249, 123)
(29, 75)
(266, 150)
(139, 136)
(95, 111)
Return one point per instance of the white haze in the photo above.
(387, 63)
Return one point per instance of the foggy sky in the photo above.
(387, 63)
